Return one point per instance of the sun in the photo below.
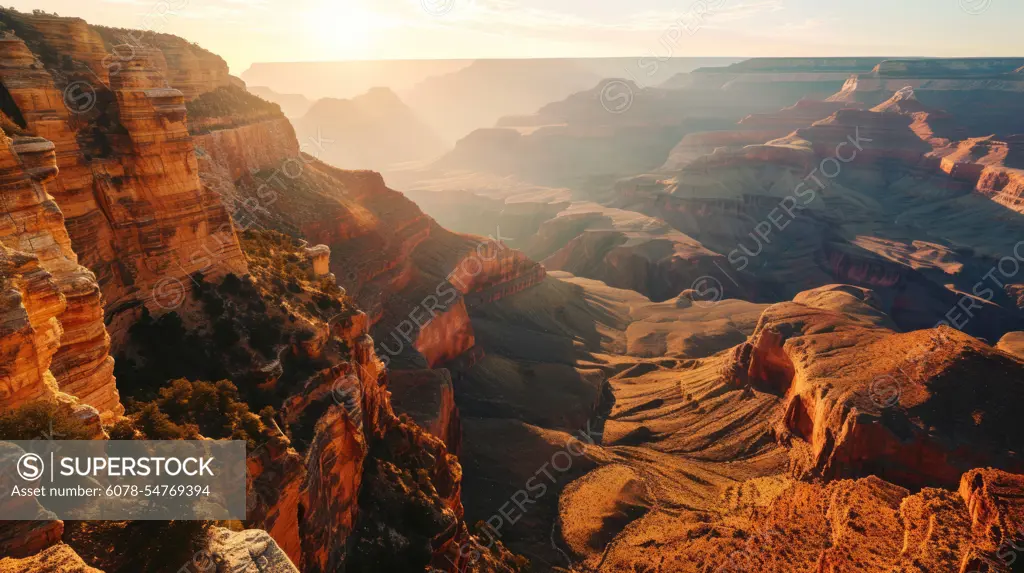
(340, 28)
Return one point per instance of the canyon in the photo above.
(690, 354)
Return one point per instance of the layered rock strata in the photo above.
(128, 180)
(32, 223)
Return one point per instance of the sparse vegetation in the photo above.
(43, 419)
(243, 325)
(229, 101)
(185, 410)
(156, 546)
(14, 21)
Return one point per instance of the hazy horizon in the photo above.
(265, 30)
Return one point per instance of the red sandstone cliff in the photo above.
(31, 305)
(889, 402)
(125, 170)
(128, 179)
(33, 224)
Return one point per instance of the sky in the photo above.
(247, 31)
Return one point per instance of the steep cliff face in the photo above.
(57, 37)
(53, 343)
(42, 110)
(186, 66)
(190, 68)
(238, 151)
(33, 224)
(339, 503)
(327, 510)
(994, 166)
(993, 501)
(31, 304)
(166, 222)
(876, 418)
(128, 180)
(428, 397)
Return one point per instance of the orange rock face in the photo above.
(446, 337)
(33, 224)
(239, 150)
(175, 225)
(58, 558)
(184, 65)
(873, 408)
(128, 180)
(327, 510)
(428, 396)
(31, 304)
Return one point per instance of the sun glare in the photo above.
(340, 29)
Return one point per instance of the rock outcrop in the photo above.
(868, 409)
(57, 559)
(994, 166)
(245, 148)
(428, 397)
(252, 550)
(31, 304)
(128, 181)
(996, 512)
(982, 94)
(33, 224)
(1012, 343)
(186, 66)
(123, 163)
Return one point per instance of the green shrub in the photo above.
(184, 408)
(229, 101)
(156, 425)
(43, 420)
